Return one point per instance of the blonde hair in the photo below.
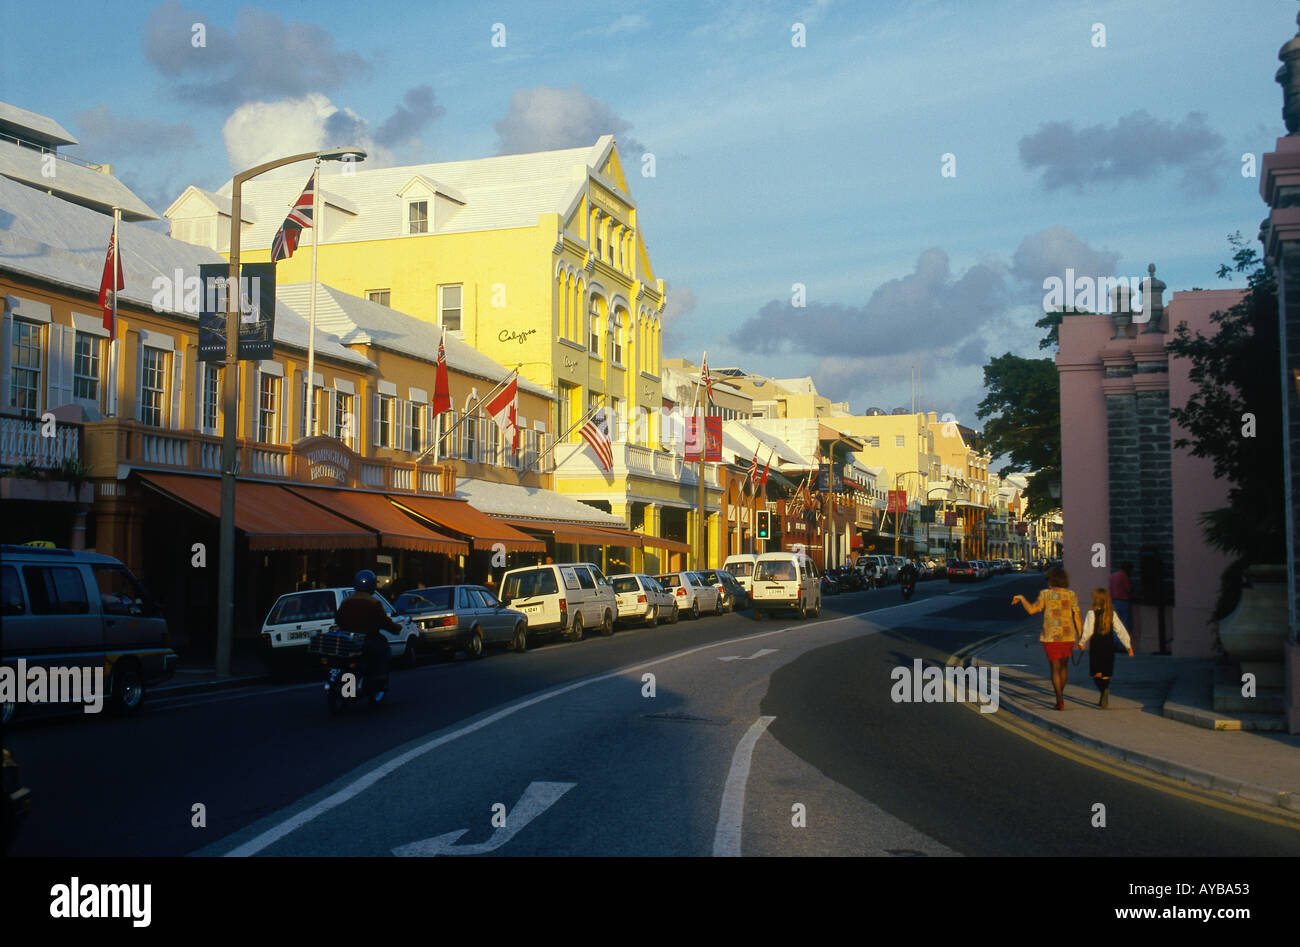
(1101, 603)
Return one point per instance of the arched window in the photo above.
(594, 320)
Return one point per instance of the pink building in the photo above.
(1127, 493)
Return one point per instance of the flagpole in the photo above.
(316, 228)
(590, 412)
(477, 404)
(113, 348)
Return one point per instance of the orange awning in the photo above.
(672, 545)
(571, 533)
(483, 531)
(269, 515)
(372, 510)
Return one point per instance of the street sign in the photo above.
(897, 501)
(256, 306)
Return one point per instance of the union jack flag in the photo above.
(286, 238)
(753, 467)
(706, 378)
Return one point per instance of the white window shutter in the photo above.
(374, 418)
(403, 439)
(139, 380)
(178, 384)
(286, 401)
(53, 366)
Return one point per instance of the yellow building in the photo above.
(534, 260)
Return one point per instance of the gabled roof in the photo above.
(352, 320)
(72, 182)
(743, 440)
(500, 192)
(29, 126)
(220, 203)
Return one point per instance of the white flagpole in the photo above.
(113, 347)
(316, 229)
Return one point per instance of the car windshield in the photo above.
(302, 606)
(419, 599)
(528, 583)
(626, 583)
(670, 581)
(775, 571)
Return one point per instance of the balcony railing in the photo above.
(113, 444)
(574, 460)
(25, 441)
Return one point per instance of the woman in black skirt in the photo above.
(1107, 634)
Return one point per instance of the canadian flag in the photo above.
(504, 410)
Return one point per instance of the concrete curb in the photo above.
(201, 687)
(1194, 776)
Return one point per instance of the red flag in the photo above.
(766, 467)
(441, 390)
(106, 284)
(504, 410)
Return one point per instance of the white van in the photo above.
(786, 580)
(742, 567)
(567, 597)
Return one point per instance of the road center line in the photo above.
(731, 814)
(361, 783)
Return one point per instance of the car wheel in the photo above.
(817, 612)
(607, 626)
(695, 610)
(409, 655)
(128, 689)
(475, 647)
(802, 610)
(652, 616)
(677, 615)
(575, 632)
(521, 638)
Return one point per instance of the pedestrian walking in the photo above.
(1121, 592)
(1061, 626)
(1104, 628)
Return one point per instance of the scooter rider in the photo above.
(361, 613)
(907, 573)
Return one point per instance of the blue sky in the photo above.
(775, 164)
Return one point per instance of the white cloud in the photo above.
(549, 119)
(262, 131)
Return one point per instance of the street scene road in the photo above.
(565, 750)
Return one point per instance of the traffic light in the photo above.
(764, 525)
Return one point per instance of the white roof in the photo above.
(353, 320)
(798, 386)
(534, 503)
(497, 193)
(72, 182)
(742, 440)
(47, 130)
(221, 202)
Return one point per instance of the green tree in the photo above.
(1236, 373)
(1022, 405)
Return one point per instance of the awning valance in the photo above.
(484, 531)
(373, 510)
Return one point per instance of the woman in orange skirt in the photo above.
(1061, 626)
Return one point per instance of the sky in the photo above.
(857, 191)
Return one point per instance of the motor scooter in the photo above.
(343, 655)
(907, 585)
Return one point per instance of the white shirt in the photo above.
(1117, 628)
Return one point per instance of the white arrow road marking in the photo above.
(537, 798)
(731, 816)
(757, 654)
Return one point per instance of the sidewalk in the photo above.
(198, 673)
(1257, 765)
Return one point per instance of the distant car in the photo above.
(694, 596)
(465, 618)
(641, 598)
(1018, 565)
(741, 566)
(962, 570)
(733, 594)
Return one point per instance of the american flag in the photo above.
(286, 238)
(595, 433)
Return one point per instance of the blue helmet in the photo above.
(364, 581)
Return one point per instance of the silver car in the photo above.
(465, 618)
(692, 594)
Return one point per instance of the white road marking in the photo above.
(364, 782)
(757, 654)
(537, 798)
(731, 814)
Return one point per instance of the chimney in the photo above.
(1153, 300)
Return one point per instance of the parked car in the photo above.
(562, 597)
(465, 618)
(786, 580)
(694, 595)
(1019, 566)
(732, 594)
(886, 568)
(68, 608)
(641, 598)
(742, 567)
(962, 570)
(297, 616)
(869, 569)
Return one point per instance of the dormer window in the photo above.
(417, 217)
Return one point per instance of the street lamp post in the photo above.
(897, 516)
(230, 400)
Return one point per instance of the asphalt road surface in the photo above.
(773, 737)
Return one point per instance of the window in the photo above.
(211, 397)
(584, 578)
(386, 429)
(153, 385)
(119, 592)
(85, 367)
(343, 417)
(491, 439)
(381, 296)
(449, 307)
(56, 590)
(11, 592)
(594, 322)
(417, 217)
(616, 339)
(25, 370)
(417, 427)
(899, 440)
(470, 427)
(267, 400)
